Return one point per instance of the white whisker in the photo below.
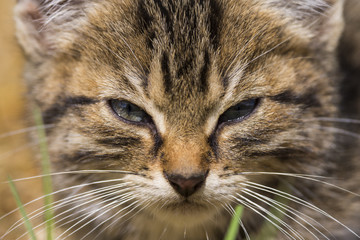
(231, 211)
(337, 130)
(10, 153)
(62, 190)
(59, 204)
(272, 203)
(25, 130)
(249, 205)
(296, 200)
(314, 178)
(163, 232)
(335, 120)
(273, 216)
(88, 213)
(268, 51)
(294, 212)
(114, 205)
(118, 218)
(71, 172)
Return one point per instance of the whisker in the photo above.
(272, 203)
(206, 234)
(231, 211)
(25, 130)
(303, 176)
(248, 205)
(10, 153)
(98, 196)
(294, 212)
(336, 120)
(133, 53)
(297, 213)
(238, 53)
(268, 51)
(296, 200)
(117, 219)
(163, 232)
(115, 205)
(87, 215)
(63, 203)
(62, 190)
(337, 130)
(73, 172)
(273, 216)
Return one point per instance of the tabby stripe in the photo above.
(215, 17)
(119, 141)
(61, 105)
(307, 100)
(281, 154)
(90, 156)
(165, 13)
(244, 142)
(204, 72)
(166, 72)
(145, 21)
(157, 143)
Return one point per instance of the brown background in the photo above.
(15, 152)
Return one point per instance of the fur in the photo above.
(185, 63)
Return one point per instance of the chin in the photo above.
(185, 214)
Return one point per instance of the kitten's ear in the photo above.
(330, 26)
(42, 25)
(321, 21)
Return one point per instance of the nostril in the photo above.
(186, 186)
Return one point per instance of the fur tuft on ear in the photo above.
(321, 21)
(43, 25)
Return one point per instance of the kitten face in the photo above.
(228, 89)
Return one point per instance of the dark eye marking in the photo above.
(307, 99)
(60, 107)
(239, 111)
(129, 112)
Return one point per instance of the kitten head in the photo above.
(190, 99)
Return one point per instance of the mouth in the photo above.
(186, 205)
(182, 213)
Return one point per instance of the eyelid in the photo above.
(147, 119)
(240, 118)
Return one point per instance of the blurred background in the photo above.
(15, 149)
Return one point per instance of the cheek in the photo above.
(95, 146)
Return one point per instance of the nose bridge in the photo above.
(185, 156)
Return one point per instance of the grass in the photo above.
(268, 230)
(233, 229)
(46, 179)
(46, 182)
(22, 210)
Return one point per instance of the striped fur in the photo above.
(185, 63)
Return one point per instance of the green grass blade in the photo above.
(27, 222)
(233, 229)
(46, 170)
(268, 230)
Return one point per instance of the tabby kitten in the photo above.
(164, 115)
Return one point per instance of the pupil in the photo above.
(128, 108)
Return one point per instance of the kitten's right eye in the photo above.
(239, 111)
(129, 111)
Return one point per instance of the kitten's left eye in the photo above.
(129, 111)
(239, 111)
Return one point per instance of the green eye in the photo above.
(239, 111)
(129, 111)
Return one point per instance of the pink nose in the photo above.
(186, 186)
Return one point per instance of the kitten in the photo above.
(166, 114)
